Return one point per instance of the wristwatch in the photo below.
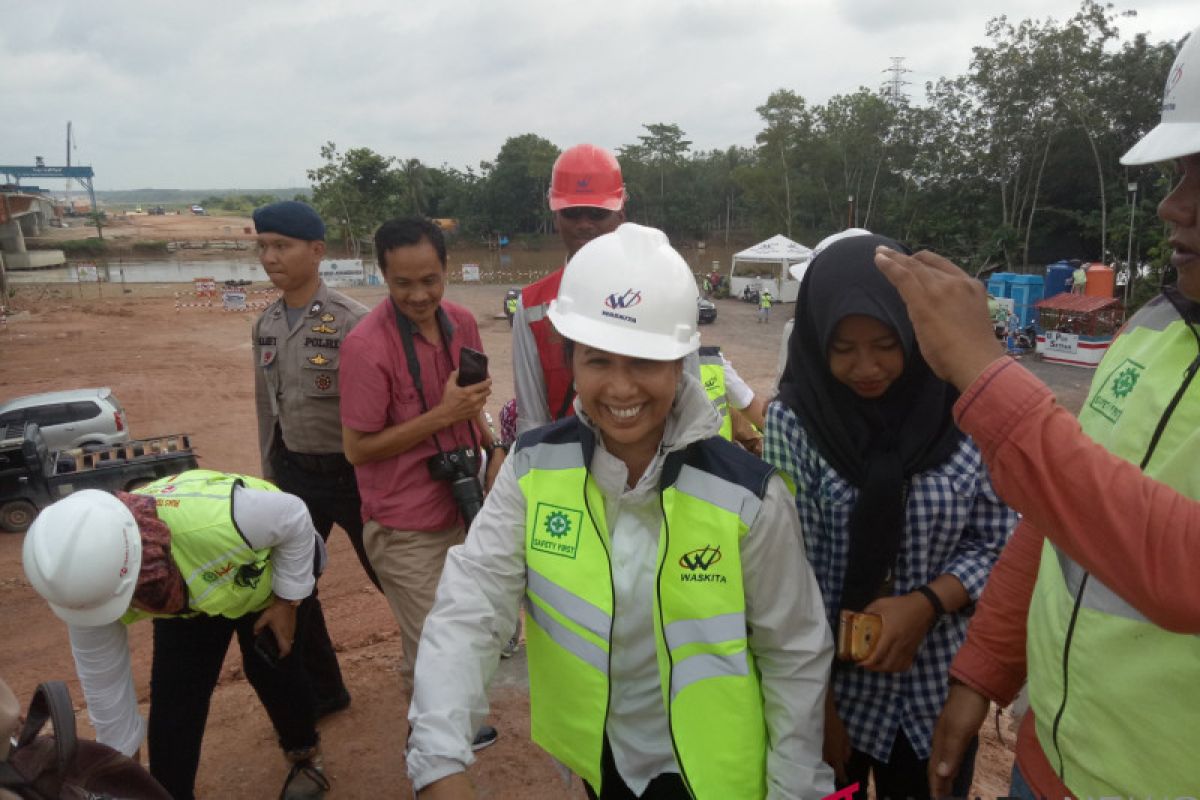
(499, 446)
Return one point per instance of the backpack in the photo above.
(60, 767)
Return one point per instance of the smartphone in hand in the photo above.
(267, 646)
(858, 634)
(472, 366)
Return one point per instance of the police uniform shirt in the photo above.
(296, 373)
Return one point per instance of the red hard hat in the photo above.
(587, 175)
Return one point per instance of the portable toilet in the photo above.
(1027, 290)
(1100, 281)
(998, 284)
(1058, 278)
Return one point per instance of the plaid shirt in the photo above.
(955, 523)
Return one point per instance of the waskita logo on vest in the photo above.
(697, 564)
(620, 302)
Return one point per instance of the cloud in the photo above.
(240, 94)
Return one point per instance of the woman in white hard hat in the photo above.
(675, 634)
(209, 556)
(1094, 602)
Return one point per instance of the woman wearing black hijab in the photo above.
(899, 517)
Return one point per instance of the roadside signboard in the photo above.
(233, 300)
(470, 272)
(1059, 342)
(342, 272)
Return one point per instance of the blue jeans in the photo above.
(1018, 788)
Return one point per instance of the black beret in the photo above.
(290, 218)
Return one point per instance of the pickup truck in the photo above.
(32, 476)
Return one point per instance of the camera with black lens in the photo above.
(460, 468)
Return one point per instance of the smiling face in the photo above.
(1181, 210)
(291, 264)
(628, 399)
(416, 280)
(865, 355)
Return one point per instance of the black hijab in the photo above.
(875, 445)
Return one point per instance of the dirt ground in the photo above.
(190, 371)
(165, 227)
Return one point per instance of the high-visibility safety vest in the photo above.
(712, 375)
(711, 493)
(535, 298)
(764, 300)
(225, 576)
(1117, 698)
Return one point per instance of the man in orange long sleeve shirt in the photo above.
(1095, 600)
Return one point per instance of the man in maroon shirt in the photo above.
(409, 429)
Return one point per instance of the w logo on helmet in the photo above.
(583, 184)
(628, 300)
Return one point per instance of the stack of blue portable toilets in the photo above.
(1058, 278)
(1024, 290)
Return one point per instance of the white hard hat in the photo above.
(83, 555)
(1178, 134)
(798, 270)
(629, 292)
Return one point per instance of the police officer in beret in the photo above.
(296, 342)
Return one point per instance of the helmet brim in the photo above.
(1167, 141)
(610, 203)
(109, 612)
(632, 342)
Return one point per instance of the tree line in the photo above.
(1012, 164)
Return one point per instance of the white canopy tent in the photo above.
(766, 266)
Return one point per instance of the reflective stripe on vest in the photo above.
(1132, 699)
(712, 375)
(708, 678)
(223, 574)
(535, 299)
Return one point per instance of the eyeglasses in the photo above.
(593, 213)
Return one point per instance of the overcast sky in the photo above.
(243, 94)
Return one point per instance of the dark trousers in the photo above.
(188, 654)
(330, 497)
(667, 786)
(904, 775)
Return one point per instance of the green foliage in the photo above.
(243, 204)
(83, 247)
(149, 246)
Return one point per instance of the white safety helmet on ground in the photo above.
(83, 555)
(1178, 134)
(629, 292)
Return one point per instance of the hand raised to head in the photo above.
(948, 309)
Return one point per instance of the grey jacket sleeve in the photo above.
(474, 614)
(528, 380)
(792, 647)
(105, 670)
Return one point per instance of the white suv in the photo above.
(74, 418)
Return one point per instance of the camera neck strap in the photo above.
(404, 325)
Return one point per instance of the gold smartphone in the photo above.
(858, 634)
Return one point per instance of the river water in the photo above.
(516, 267)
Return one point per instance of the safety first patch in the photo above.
(556, 530)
